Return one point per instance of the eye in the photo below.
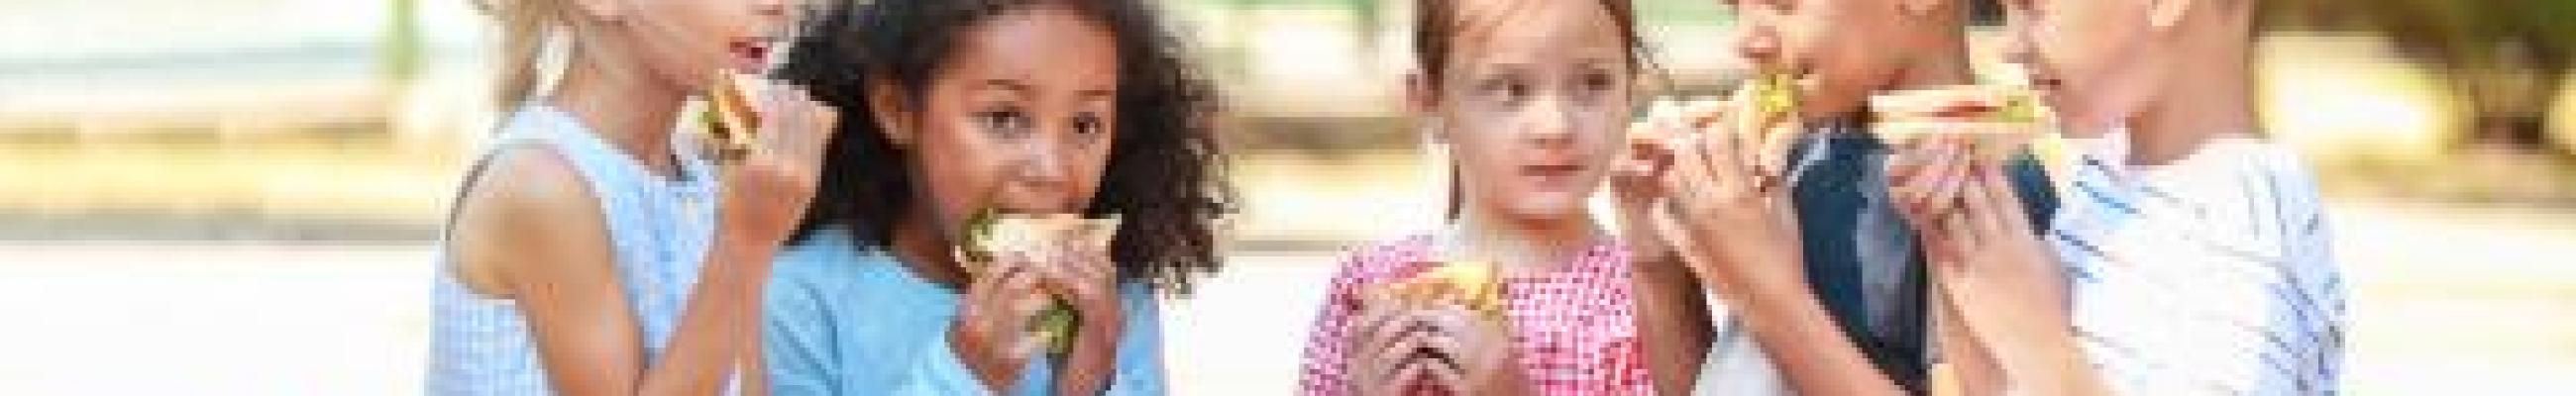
(1089, 125)
(1503, 89)
(1009, 123)
(1597, 80)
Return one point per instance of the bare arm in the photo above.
(1970, 368)
(755, 362)
(1673, 318)
(539, 224)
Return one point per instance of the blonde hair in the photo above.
(526, 25)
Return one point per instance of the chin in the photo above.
(1547, 207)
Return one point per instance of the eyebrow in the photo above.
(1579, 61)
(1006, 85)
(1097, 93)
(1022, 88)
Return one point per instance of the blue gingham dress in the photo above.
(659, 230)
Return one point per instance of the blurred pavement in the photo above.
(2446, 299)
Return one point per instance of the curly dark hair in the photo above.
(1165, 174)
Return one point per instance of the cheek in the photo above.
(1844, 78)
(1477, 153)
(1603, 136)
(2101, 77)
(953, 172)
(684, 40)
(1095, 166)
(1474, 143)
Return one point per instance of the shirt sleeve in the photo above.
(794, 345)
(1327, 342)
(2217, 310)
(1140, 351)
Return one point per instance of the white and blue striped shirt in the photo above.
(2208, 276)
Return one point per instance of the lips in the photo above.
(1551, 177)
(1551, 169)
(750, 54)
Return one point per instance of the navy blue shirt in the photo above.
(1861, 255)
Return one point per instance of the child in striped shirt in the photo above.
(2191, 255)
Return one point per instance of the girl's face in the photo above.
(1532, 104)
(1841, 50)
(1019, 118)
(685, 42)
(2084, 56)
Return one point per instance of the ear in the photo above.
(1422, 99)
(605, 10)
(2165, 14)
(890, 109)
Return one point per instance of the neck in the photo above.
(1522, 245)
(1944, 66)
(923, 248)
(622, 104)
(1947, 65)
(2187, 114)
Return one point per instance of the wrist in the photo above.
(751, 258)
(1087, 369)
(973, 356)
(1507, 380)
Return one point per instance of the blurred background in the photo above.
(240, 196)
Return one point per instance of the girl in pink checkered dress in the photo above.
(1532, 98)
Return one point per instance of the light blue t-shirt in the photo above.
(845, 320)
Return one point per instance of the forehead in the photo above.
(1047, 43)
(1556, 24)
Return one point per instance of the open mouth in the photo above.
(750, 54)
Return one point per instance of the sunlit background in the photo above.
(239, 196)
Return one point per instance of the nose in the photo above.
(1549, 122)
(1043, 171)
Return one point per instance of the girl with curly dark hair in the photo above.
(958, 109)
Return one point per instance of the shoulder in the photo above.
(829, 268)
(530, 205)
(2268, 189)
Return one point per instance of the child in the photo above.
(1532, 97)
(2192, 257)
(1847, 314)
(591, 250)
(971, 107)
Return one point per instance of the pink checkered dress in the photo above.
(1574, 330)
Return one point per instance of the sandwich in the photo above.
(1756, 107)
(1996, 122)
(729, 119)
(1469, 283)
(991, 234)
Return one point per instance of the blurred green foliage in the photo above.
(2505, 60)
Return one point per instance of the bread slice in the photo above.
(729, 118)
